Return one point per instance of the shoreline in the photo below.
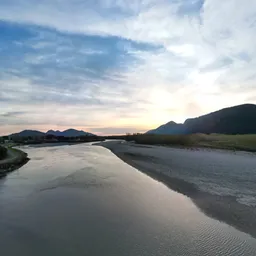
(60, 143)
(246, 142)
(224, 208)
(18, 159)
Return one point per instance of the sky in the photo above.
(118, 66)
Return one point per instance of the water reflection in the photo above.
(82, 200)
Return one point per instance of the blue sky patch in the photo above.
(117, 65)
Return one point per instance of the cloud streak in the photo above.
(134, 63)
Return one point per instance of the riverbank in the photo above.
(14, 160)
(58, 144)
(246, 142)
(220, 183)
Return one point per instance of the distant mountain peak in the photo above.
(171, 123)
(168, 128)
(27, 133)
(51, 131)
(67, 133)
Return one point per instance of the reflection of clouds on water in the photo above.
(87, 193)
(83, 178)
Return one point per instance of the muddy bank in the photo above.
(15, 159)
(221, 184)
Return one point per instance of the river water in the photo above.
(83, 200)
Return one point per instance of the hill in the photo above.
(239, 119)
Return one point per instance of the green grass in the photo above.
(219, 141)
(162, 139)
(19, 152)
(233, 142)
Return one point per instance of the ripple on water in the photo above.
(102, 205)
(82, 179)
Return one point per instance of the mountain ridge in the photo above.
(240, 119)
(69, 133)
(66, 133)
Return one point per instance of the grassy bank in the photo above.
(3, 152)
(218, 141)
(15, 159)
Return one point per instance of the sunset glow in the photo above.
(70, 64)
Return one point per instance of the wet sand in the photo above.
(221, 183)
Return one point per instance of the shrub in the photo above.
(184, 140)
(3, 152)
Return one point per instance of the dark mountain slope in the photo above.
(169, 128)
(28, 133)
(69, 133)
(66, 133)
(234, 120)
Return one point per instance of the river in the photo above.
(83, 200)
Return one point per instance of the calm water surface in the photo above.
(83, 200)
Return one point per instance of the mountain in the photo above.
(66, 133)
(169, 128)
(234, 120)
(27, 133)
(69, 133)
(55, 133)
(239, 119)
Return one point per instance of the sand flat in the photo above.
(221, 183)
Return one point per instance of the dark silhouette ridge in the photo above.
(239, 119)
(66, 133)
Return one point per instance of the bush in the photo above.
(183, 140)
(245, 142)
(3, 152)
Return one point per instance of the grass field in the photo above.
(219, 141)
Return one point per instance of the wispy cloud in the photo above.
(135, 63)
(12, 113)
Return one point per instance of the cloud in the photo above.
(12, 113)
(117, 130)
(138, 63)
